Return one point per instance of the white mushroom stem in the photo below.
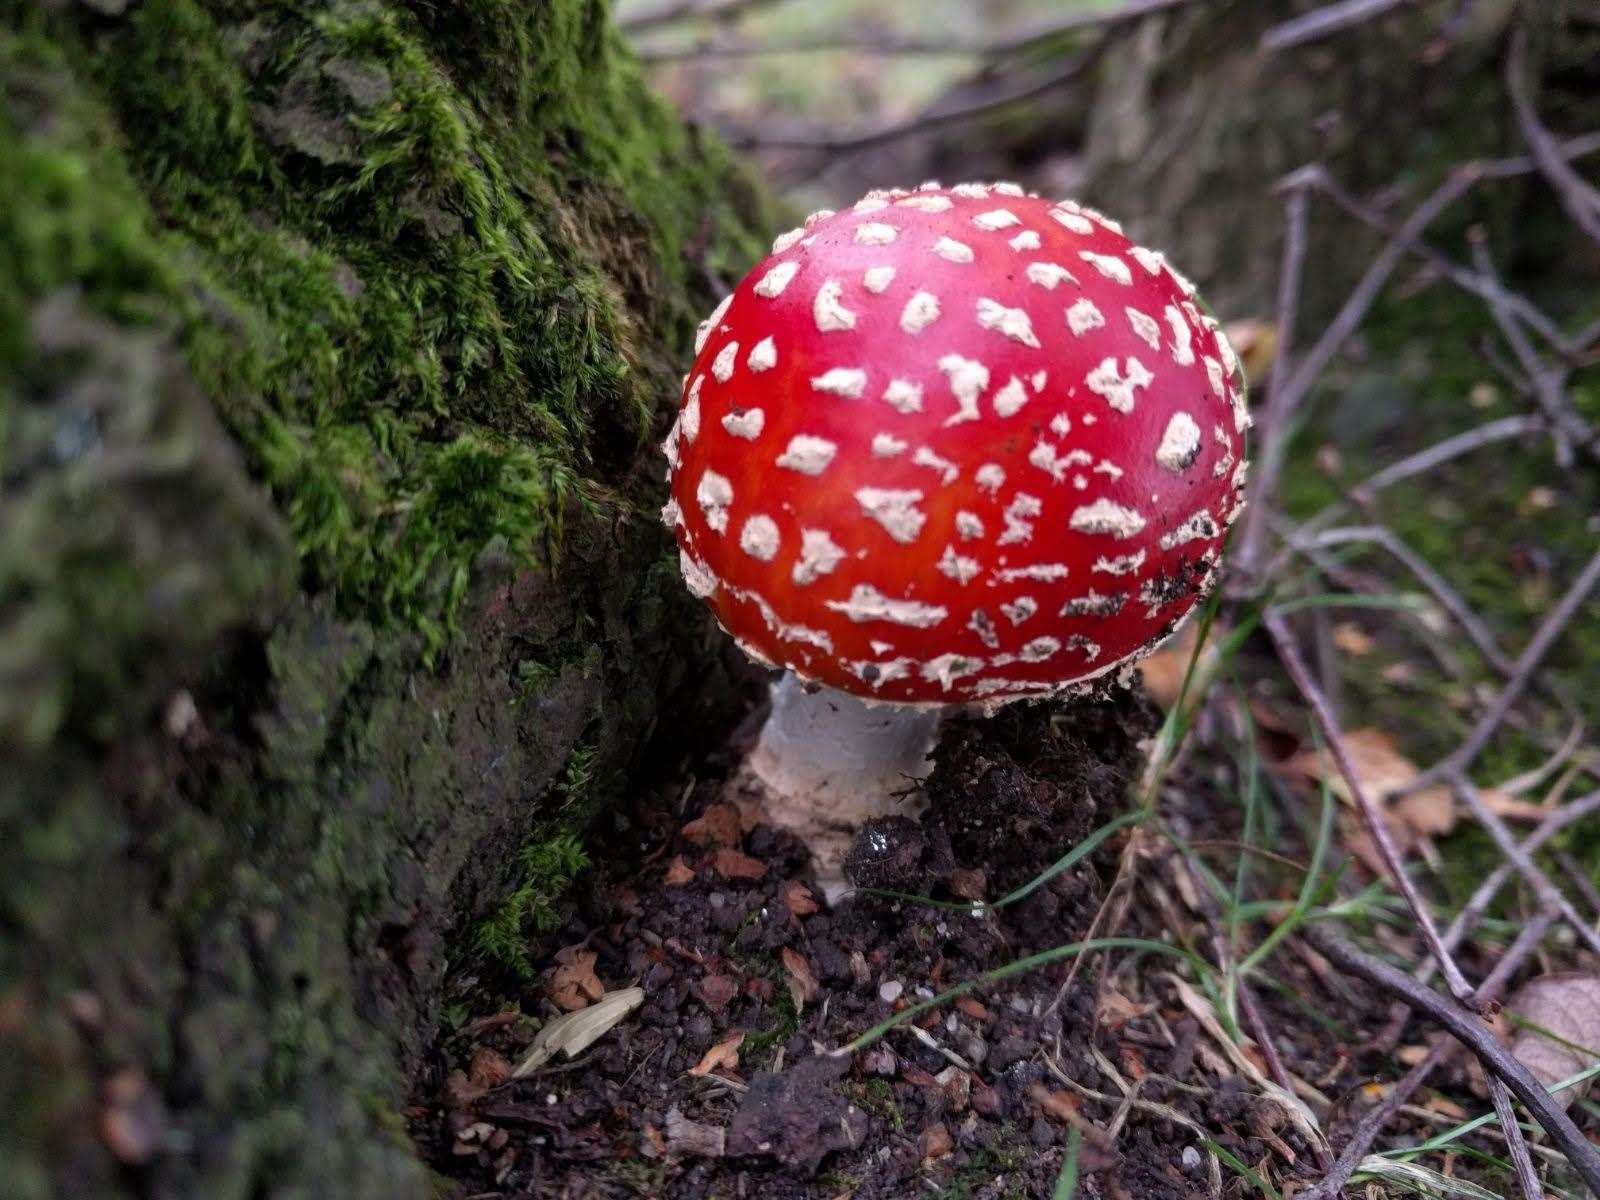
(828, 762)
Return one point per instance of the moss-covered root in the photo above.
(333, 340)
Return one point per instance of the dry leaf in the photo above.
(573, 984)
(797, 899)
(1115, 1010)
(1568, 1006)
(678, 872)
(488, 1068)
(803, 984)
(1063, 1106)
(724, 1056)
(1352, 639)
(1164, 671)
(968, 884)
(1256, 344)
(717, 826)
(715, 991)
(972, 1008)
(573, 1033)
(1380, 769)
(735, 864)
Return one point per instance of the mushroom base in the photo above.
(826, 762)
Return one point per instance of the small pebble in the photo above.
(890, 991)
(1191, 1158)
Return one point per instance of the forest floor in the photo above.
(1094, 966)
(1011, 1052)
(1196, 844)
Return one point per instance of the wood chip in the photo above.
(692, 1139)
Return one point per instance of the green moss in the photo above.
(545, 868)
(413, 294)
(314, 321)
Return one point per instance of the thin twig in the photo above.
(1365, 492)
(1527, 663)
(1272, 417)
(1324, 22)
(667, 12)
(1577, 197)
(1478, 903)
(999, 47)
(853, 140)
(1289, 653)
(1549, 895)
(1370, 1126)
(1460, 611)
(1521, 1161)
(1472, 1032)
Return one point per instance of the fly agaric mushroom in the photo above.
(950, 446)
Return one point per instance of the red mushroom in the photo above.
(952, 445)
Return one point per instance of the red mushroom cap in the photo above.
(956, 444)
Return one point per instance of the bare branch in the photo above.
(1324, 22)
(1549, 895)
(1527, 663)
(1371, 1125)
(1276, 407)
(1478, 903)
(1471, 1031)
(1580, 199)
(1013, 43)
(667, 12)
(934, 118)
(1289, 653)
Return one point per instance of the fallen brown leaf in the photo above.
(1380, 769)
(1567, 1005)
(573, 983)
(936, 1142)
(488, 1068)
(678, 872)
(1164, 671)
(1256, 344)
(797, 899)
(717, 826)
(735, 864)
(1352, 639)
(724, 1056)
(1063, 1106)
(1115, 1010)
(802, 983)
(716, 990)
(972, 1008)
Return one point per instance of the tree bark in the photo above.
(335, 343)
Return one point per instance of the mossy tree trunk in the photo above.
(335, 339)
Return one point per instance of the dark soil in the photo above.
(967, 1104)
